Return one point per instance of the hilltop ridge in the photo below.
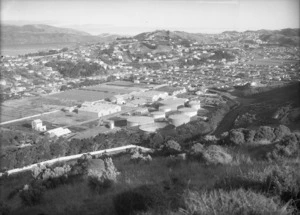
(43, 34)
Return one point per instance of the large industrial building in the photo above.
(139, 120)
(151, 95)
(58, 132)
(179, 119)
(99, 109)
(171, 104)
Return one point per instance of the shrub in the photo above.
(287, 147)
(231, 202)
(250, 181)
(51, 176)
(249, 135)
(263, 134)
(285, 182)
(101, 174)
(211, 154)
(196, 151)
(99, 184)
(32, 194)
(139, 199)
(170, 147)
(281, 131)
(235, 137)
(4, 208)
(214, 154)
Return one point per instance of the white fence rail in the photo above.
(72, 157)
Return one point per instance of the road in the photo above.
(27, 117)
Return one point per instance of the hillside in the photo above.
(174, 35)
(43, 34)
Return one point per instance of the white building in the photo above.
(58, 132)
(99, 109)
(38, 125)
(151, 95)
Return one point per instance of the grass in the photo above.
(231, 202)
(182, 187)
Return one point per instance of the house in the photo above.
(58, 132)
(38, 125)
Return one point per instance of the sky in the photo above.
(129, 17)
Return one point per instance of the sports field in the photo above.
(15, 109)
(82, 95)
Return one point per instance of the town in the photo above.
(154, 79)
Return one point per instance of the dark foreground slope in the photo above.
(245, 180)
(265, 106)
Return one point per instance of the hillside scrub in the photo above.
(210, 155)
(141, 185)
(289, 146)
(262, 135)
(231, 202)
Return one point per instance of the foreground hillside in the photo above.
(211, 176)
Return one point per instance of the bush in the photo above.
(285, 182)
(264, 134)
(101, 174)
(4, 208)
(234, 202)
(235, 137)
(289, 146)
(254, 181)
(216, 155)
(32, 194)
(170, 147)
(99, 184)
(281, 131)
(211, 154)
(140, 199)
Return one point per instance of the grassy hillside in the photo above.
(174, 186)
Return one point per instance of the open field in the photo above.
(271, 62)
(15, 109)
(127, 84)
(116, 89)
(81, 95)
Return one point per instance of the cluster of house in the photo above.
(37, 125)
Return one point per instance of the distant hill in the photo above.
(286, 36)
(43, 34)
(174, 35)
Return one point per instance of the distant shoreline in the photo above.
(21, 49)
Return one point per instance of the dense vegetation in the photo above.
(216, 176)
(45, 53)
(76, 69)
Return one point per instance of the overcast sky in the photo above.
(131, 17)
